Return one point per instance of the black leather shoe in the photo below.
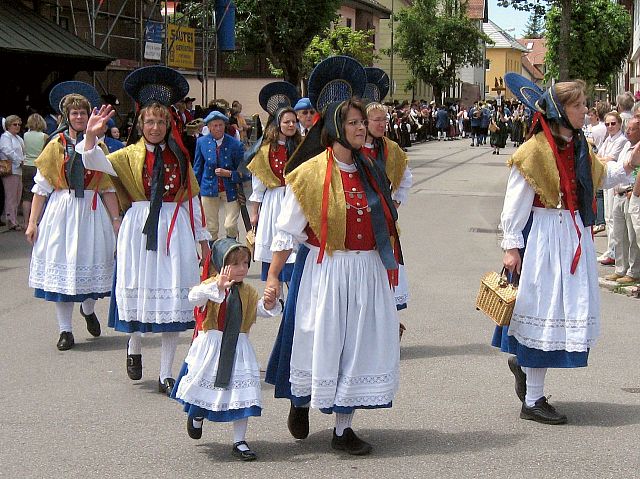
(542, 412)
(194, 432)
(350, 443)
(65, 342)
(134, 366)
(166, 386)
(521, 377)
(298, 422)
(247, 455)
(93, 325)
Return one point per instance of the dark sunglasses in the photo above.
(308, 112)
(613, 123)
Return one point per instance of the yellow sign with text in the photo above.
(182, 46)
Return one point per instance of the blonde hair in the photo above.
(375, 106)
(569, 91)
(156, 109)
(36, 123)
(11, 119)
(73, 101)
(616, 115)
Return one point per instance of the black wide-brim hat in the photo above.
(276, 95)
(156, 84)
(336, 78)
(61, 90)
(525, 90)
(377, 86)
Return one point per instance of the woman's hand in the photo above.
(31, 233)
(97, 124)
(512, 260)
(273, 284)
(224, 279)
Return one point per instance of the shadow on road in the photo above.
(589, 414)
(103, 343)
(386, 443)
(420, 351)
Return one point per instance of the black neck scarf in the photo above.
(232, 323)
(73, 167)
(157, 191)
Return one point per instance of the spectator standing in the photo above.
(12, 148)
(610, 149)
(625, 246)
(624, 104)
(34, 141)
(305, 113)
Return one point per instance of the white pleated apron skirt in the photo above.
(401, 292)
(197, 386)
(269, 211)
(153, 286)
(557, 310)
(345, 346)
(73, 252)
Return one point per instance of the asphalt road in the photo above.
(76, 414)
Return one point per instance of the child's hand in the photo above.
(224, 281)
(269, 298)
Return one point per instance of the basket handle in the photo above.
(509, 278)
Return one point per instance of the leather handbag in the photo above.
(6, 167)
(493, 127)
(497, 297)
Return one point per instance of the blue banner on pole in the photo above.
(153, 31)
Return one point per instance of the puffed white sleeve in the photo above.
(268, 313)
(290, 224)
(199, 295)
(518, 201)
(201, 233)
(258, 190)
(95, 159)
(402, 192)
(41, 186)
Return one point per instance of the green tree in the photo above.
(565, 8)
(281, 30)
(534, 26)
(339, 41)
(435, 38)
(600, 41)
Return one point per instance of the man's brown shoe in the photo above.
(613, 277)
(627, 280)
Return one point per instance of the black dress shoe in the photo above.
(93, 325)
(298, 422)
(65, 342)
(134, 366)
(521, 377)
(350, 443)
(542, 412)
(194, 432)
(166, 386)
(247, 455)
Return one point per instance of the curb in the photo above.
(617, 288)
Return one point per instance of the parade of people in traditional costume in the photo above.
(338, 212)
(281, 137)
(157, 250)
(546, 221)
(74, 240)
(220, 377)
(390, 158)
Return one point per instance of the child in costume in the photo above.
(220, 378)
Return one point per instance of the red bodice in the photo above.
(277, 161)
(568, 183)
(172, 178)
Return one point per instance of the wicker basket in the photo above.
(497, 297)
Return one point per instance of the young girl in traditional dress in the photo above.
(220, 378)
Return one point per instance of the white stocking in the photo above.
(240, 432)
(167, 353)
(64, 312)
(535, 384)
(343, 421)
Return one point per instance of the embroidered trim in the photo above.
(283, 242)
(70, 279)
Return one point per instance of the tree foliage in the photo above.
(435, 38)
(281, 30)
(599, 42)
(534, 26)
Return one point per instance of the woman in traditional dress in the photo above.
(74, 242)
(281, 137)
(157, 261)
(338, 210)
(549, 208)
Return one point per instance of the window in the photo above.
(487, 64)
(349, 22)
(529, 45)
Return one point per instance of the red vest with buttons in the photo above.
(277, 161)
(359, 235)
(172, 176)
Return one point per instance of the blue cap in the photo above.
(215, 115)
(303, 104)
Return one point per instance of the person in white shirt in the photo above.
(12, 148)
(610, 149)
(627, 254)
